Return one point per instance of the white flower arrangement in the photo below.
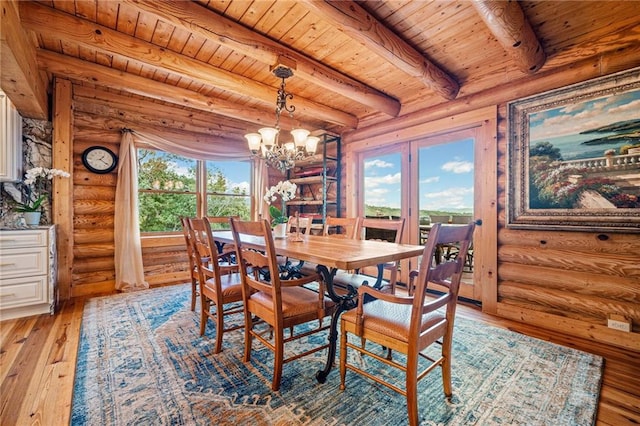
(287, 191)
(35, 176)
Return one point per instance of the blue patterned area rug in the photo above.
(141, 361)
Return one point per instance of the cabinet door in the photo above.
(10, 141)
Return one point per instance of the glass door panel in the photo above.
(382, 185)
(445, 188)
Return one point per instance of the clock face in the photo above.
(99, 159)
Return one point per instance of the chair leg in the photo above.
(412, 389)
(194, 293)
(278, 360)
(219, 327)
(446, 367)
(248, 327)
(204, 310)
(343, 357)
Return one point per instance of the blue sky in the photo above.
(575, 118)
(445, 178)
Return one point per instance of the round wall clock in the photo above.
(99, 159)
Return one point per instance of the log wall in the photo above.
(566, 280)
(93, 270)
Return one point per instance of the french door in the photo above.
(431, 179)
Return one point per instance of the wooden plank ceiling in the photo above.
(356, 63)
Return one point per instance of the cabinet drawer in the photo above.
(23, 291)
(23, 262)
(17, 239)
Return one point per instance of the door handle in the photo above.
(478, 222)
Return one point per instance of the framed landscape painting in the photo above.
(574, 157)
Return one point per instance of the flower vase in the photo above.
(280, 230)
(32, 218)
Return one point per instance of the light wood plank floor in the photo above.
(38, 356)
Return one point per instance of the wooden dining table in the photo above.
(330, 255)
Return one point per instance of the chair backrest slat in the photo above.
(375, 229)
(342, 227)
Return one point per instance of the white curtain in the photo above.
(128, 251)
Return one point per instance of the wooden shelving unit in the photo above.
(318, 181)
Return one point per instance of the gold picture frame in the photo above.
(573, 157)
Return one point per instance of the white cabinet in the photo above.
(10, 141)
(27, 272)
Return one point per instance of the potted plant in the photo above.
(287, 191)
(35, 193)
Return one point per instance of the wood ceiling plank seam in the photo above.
(107, 13)
(172, 79)
(133, 67)
(127, 19)
(291, 33)
(254, 12)
(283, 26)
(119, 63)
(145, 27)
(65, 6)
(69, 49)
(236, 10)
(162, 33)
(178, 40)
(398, 14)
(87, 9)
(309, 30)
(192, 46)
(104, 59)
(206, 51)
(147, 71)
(271, 18)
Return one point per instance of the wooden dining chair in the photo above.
(341, 227)
(228, 251)
(282, 304)
(193, 262)
(303, 222)
(409, 324)
(375, 229)
(220, 283)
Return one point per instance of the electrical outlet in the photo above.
(619, 322)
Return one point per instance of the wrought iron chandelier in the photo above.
(265, 144)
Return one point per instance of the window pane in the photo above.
(166, 172)
(382, 180)
(229, 189)
(160, 212)
(166, 184)
(446, 181)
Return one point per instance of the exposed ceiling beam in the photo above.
(45, 20)
(356, 22)
(508, 24)
(192, 17)
(19, 76)
(77, 69)
(144, 111)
